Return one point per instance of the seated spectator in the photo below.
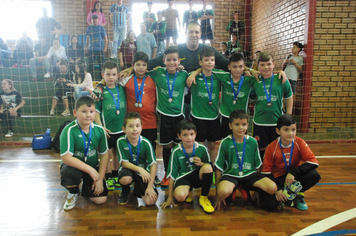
(254, 65)
(234, 46)
(40, 58)
(83, 83)
(55, 54)
(224, 51)
(23, 50)
(5, 53)
(60, 83)
(98, 12)
(75, 52)
(127, 49)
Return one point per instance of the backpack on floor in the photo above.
(55, 142)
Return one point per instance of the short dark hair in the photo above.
(131, 115)
(206, 52)
(264, 56)
(299, 45)
(285, 120)
(84, 100)
(63, 62)
(193, 23)
(186, 125)
(149, 3)
(109, 65)
(234, 34)
(257, 52)
(159, 13)
(171, 50)
(140, 56)
(236, 57)
(238, 114)
(223, 43)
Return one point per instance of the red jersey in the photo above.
(273, 161)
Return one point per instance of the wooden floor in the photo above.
(31, 203)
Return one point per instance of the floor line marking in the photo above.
(328, 223)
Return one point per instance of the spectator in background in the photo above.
(236, 26)
(94, 47)
(254, 65)
(293, 65)
(119, 15)
(83, 83)
(40, 58)
(47, 27)
(23, 50)
(5, 53)
(146, 42)
(55, 54)
(158, 29)
(224, 51)
(75, 52)
(205, 15)
(171, 16)
(127, 50)
(189, 15)
(148, 16)
(234, 46)
(99, 12)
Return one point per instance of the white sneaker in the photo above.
(51, 113)
(113, 56)
(9, 134)
(70, 201)
(66, 113)
(47, 75)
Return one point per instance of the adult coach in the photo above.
(119, 15)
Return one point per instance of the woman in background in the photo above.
(83, 83)
(127, 50)
(99, 12)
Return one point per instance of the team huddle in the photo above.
(274, 164)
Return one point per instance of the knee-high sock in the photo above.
(166, 155)
(206, 183)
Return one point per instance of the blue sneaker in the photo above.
(301, 204)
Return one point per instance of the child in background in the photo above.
(81, 144)
(10, 104)
(158, 29)
(127, 50)
(60, 83)
(189, 167)
(83, 83)
(110, 112)
(254, 65)
(224, 51)
(138, 162)
(293, 65)
(289, 159)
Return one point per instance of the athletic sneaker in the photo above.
(47, 75)
(110, 184)
(51, 113)
(189, 199)
(157, 181)
(116, 182)
(123, 198)
(70, 201)
(301, 204)
(9, 134)
(66, 113)
(165, 181)
(206, 204)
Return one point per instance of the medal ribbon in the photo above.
(240, 85)
(170, 90)
(210, 90)
(241, 163)
(268, 95)
(186, 154)
(139, 91)
(86, 145)
(138, 149)
(286, 165)
(117, 102)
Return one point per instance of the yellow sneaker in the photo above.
(206, 204)
(189, 199)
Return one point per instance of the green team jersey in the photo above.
(107, 109)
(268, 116)
(176, 107)
(226, 160)
(227, 95)
(147, 155)
(71, 141)
(179, 166)
(199, 102)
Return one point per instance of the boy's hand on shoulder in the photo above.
(290, 179)
(98, 187)
(218, 203)
(197, 161)
(150, 192)
(180, 67)
(107, 132)
(146, 177)
(255, 73)
(169, 202)
(280, 196)
(283, 76)
(125, 73)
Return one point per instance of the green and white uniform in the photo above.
(226, 160)
(176, 107)
(72, 142)
(227, 95)
(107, 109)
(199, 103)
(147, 155)
(179, 165)
(268, 116)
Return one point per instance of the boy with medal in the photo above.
(81, 144)
(288, 159)
(189, 167)
(110, 112)
(238, 160)
(271, 93)
(138, 161)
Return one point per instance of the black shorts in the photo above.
(168, 128)
(113, 139)
(206, 32)
(264, 135)
(171, 33)
(225, 129)
(151, 135)
(246, 182)
(207, 129)
(72, 176)
(140, 186)
(192, 180)
(61, 91)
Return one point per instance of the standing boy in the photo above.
(138, 162)
(148, 16)
(189, 167)
(110, 112)
(158, 29)
(205, 15)
(81, 142)
(289, 159)
(189, 15)
(171, 16)
(238, 160)
(293, 65)
(236, 26)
